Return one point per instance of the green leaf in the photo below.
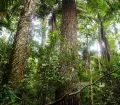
(115, 75)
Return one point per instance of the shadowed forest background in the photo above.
(59, 52)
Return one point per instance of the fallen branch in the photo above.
(79, 91)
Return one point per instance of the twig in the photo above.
(59, 100)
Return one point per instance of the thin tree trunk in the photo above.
(86, 56)
(43, 37)
(91, 86)
(104, 44)
(53, 21)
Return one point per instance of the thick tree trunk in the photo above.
(19, 53)
(69, 34)
(69, 48)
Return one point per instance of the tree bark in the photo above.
(69, 33)
(68, 48)
(91, 86)
(104, 44)
(20, 44)
(53, 21)
(43, 36)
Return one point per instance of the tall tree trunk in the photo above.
(43, 36)
(91, 86)
(53, 21)
(19, 51)
(86, 56)
(68, 48)
(69, 45)
(104, 43)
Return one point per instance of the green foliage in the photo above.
(41, 75)
(4, 4)
(46, 7)
(5, 50)
(8, 96)
(43, 64)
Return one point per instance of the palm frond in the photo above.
(4, 4)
